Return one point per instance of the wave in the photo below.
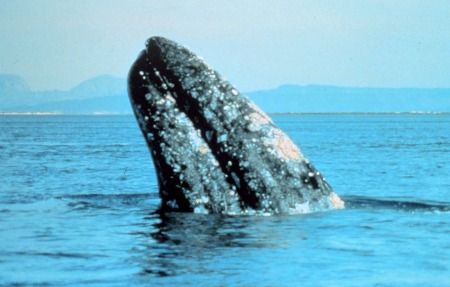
(362, 202)
(54, 254)
(100, 201)
(109, 201)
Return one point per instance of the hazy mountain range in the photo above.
(107, 94)
(102, 94)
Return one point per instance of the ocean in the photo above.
(79, 201)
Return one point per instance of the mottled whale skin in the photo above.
(213, 149)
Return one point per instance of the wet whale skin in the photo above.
(213, 149)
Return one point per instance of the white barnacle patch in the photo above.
(253, 128)
(244, 164)
(203, 149)
(284, 147)
(231, 111)
(300, 208)
(194, 138)
(195, 94)
(257, 120)
(205, 199)
(213, 104)
(209, 115)
(259, 112)
(200, 209)
(170, 98)
(222, 138)
(168, 103)
(176, 168)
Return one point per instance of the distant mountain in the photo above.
(331, 99)
(12, 89)
(10, 84)
(107, 94)
(100, 94)
(101, 86)
(97, 105)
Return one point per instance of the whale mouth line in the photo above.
(214, 150)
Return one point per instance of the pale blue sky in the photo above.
(255, 44)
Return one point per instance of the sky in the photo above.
(256, 44)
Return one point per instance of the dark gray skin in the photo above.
(213, 149)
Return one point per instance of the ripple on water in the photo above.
(79, 201)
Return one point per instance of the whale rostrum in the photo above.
(214, 150)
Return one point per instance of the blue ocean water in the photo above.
(78, 196)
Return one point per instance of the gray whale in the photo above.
(213, 149)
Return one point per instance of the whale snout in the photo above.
(213, 149)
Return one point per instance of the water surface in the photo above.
(78, 202)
